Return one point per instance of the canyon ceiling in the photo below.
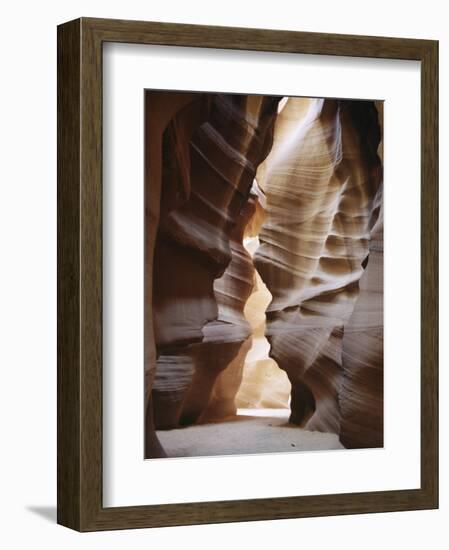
(263, 262)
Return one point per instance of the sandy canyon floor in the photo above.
(251, 431)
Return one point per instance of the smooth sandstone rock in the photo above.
(211, 149)
(160, 109)
(361, 396)
(316, 202)
(320, 179)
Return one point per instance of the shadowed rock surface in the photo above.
(202, 275)
(320, 179)
(224, 173)
(361, 395)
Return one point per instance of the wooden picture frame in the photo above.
(80, 503)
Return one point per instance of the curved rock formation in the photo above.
(361, 394)
(211, 149)
(304, 178)
(159, 110)
(320, 179)
(229, 332)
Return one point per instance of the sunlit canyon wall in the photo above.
(263, 223)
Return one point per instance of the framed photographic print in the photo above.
(247, 274)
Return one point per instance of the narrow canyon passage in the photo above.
(264, 385)
(261, 422)
(267, 211)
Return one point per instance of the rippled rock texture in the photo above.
(202, 275)
(321, 179)
(263, 260)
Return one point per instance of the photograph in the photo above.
(263, 274)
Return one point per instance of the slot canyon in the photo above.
(263, 274)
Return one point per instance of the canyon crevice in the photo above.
(263, 219)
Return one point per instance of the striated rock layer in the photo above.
(160, 108)
(361, 394)
(321, 179)
(202, 275)
(304, 178)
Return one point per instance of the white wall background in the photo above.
(28, 273)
